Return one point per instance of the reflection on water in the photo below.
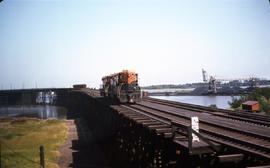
(219, 101)
(37, 111)
(46, 97)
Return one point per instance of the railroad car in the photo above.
(79, 86)
(122, 86)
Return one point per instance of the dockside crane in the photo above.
(212, 86)
(212, 81)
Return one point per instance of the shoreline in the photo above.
(187, 94)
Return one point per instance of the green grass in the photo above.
(24, 136)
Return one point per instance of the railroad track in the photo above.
(249, 138)
(256, 119)
(248, 133)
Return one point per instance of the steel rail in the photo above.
(234, 115)
(199, 107)
(235, 139)
(247, 128)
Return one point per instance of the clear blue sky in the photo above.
(59, 43)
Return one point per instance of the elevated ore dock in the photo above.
(158, 133)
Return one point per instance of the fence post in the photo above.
(41, 154)
(190, 139)
(0, 154)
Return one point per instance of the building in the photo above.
(251, 106)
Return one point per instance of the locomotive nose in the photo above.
(130, 99)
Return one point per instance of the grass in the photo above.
(24, 136)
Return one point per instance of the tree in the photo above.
(265, 92)
(236, 102)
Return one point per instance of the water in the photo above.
(36, 111)
(219, 101)
(181, 90)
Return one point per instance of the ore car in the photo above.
(79, 86)
(122, 86)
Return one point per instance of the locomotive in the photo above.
(122, 86)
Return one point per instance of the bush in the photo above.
(264, 104)
(213, 106)
(236, 102)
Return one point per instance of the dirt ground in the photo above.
(66, 150)
(80, 149)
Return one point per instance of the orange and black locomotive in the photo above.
(122, 86)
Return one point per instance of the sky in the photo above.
(58, 43)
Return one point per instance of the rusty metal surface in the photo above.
(245, 132)
(234, 133)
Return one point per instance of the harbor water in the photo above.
(35, 111)
(219, 101)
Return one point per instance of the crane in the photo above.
(212, 81)
(212, 86)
